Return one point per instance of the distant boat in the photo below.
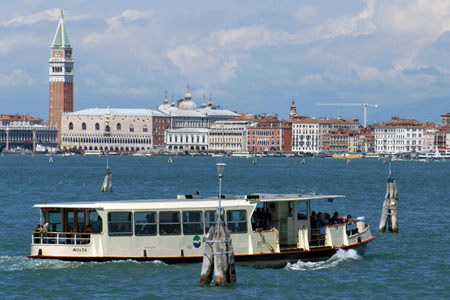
(241, 154)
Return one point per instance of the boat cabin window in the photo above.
(119, 223)
(95, 221)
(145, 223)
(169, 223)
(237, 221)
(302, 210)
(210, 219)
(291, 208)
(192, 222)
(53, 217)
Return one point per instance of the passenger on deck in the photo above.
(259, 218)
(267, 217)
(328, 218)
(335, 218)
(351, 226)
(44, 232)
(37, 234)
(313, 220)
(321, 222)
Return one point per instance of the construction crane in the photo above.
(364, 105)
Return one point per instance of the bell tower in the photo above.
(60, 76)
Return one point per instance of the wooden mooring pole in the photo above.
(218, 257)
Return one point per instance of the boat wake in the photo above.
(20, 263)
(339, 257)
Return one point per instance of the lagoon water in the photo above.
(413, 264)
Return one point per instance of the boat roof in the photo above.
(187, 201)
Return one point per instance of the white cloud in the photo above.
(48, 15)
(130, 15)
(16, 78)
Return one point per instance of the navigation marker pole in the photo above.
(218, 253)
(107, 182)
(389, 214)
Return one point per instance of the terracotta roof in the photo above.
(399, 123)
(324, 121)
(18, 117)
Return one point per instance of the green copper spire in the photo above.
(61, 38)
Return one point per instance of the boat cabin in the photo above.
(174, 230)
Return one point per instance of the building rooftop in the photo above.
(18, 117)
(117, 112)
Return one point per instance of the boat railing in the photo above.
(333, 235)
(61, 238)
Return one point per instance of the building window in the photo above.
(145, 223)
(119, 223)
(192, 222)
(131, 128)
(70, 126)
(145, 129)
(119, 127)
(107, 129)
(83, 126)
(97, 126)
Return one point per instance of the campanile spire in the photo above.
(60, 76)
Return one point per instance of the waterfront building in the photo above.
(186, 114)
(186, 139)
(308, 133)
(60, 76)
(337, 141)
(267, 133)
(429, 138)
(362, 142)
(127, 130)
(19, 120)
(23, 132)
(442, 138)
(399, 136)
(229, 136)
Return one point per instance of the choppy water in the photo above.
(413, 264)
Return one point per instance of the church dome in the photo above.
(187, 104)
(187, 96)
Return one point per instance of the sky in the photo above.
(251, 56)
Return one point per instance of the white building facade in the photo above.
(307, 133)
(186, 139)
(229, 136)
(127, 130)
(399, 136)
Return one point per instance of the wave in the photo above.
(339, 257)
(20, 263)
